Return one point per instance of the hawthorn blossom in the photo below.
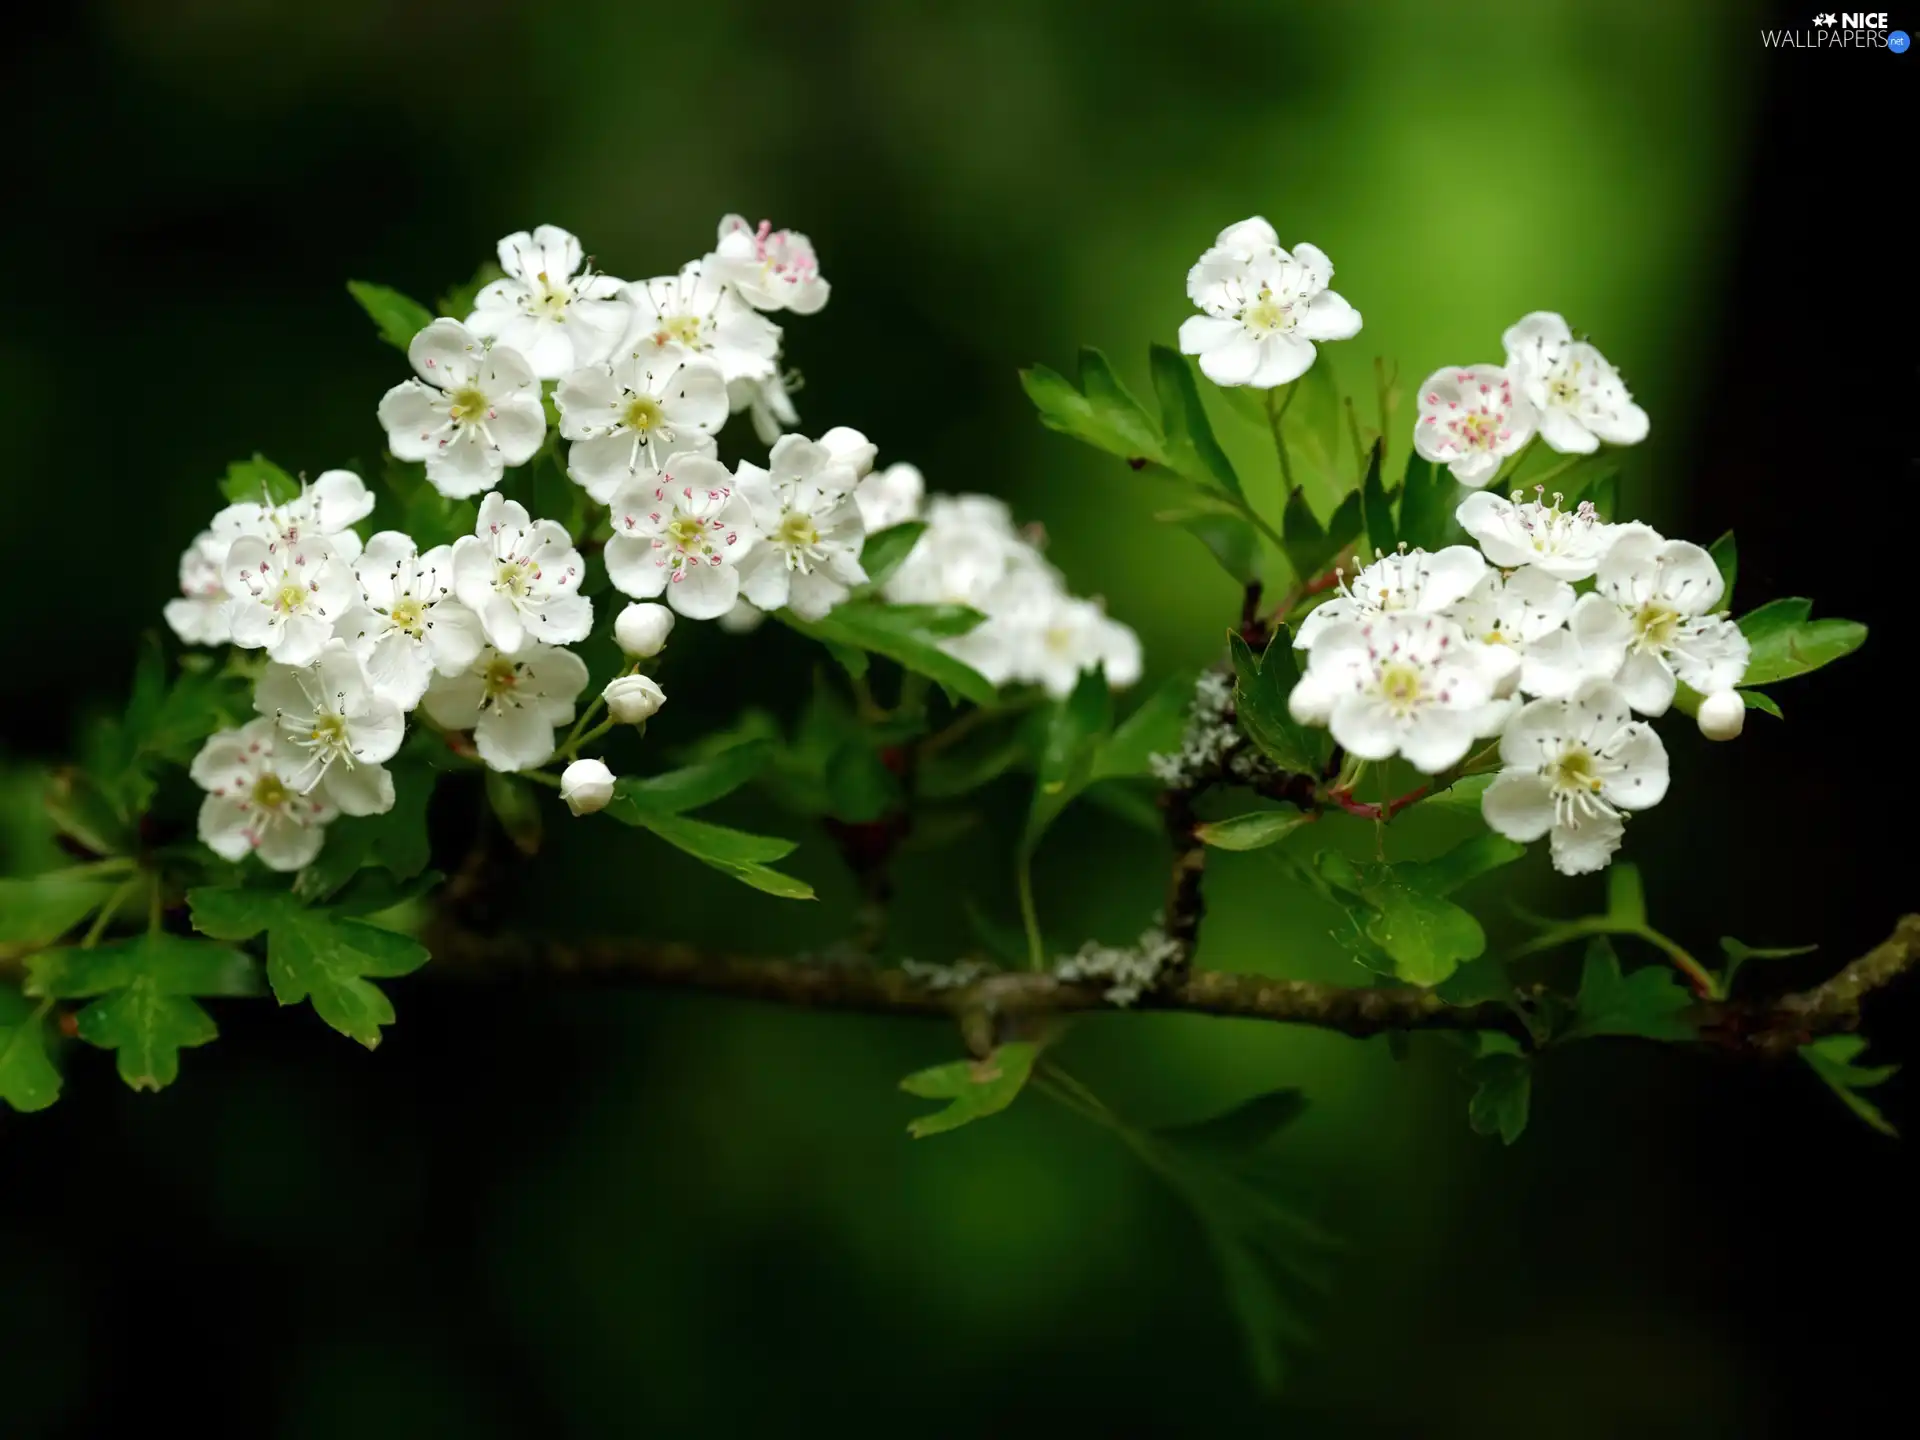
(329, 507)
(1654, 598)
(1075, 636)
(521, 576)
(966, 551)
(768, 405)
(586, 786)
(1410, 580)
(850, 448)
(199, 616)
(891, 496)
(807, 556)
(684, 534)
(285, 596)
(334, 731)
(626, 417)
(633, 699)
(472, 412)
(771, 269)
(1471, 420)
(550, 306)
(1722, 715)
(407, 624)
(1572, 766)
(1511, 614)
(699, 314)
(1580, 398)
(251, 806)
(1566, 544)
(1397, 684)
(1264, 307)
(641, 630)
(511, 703)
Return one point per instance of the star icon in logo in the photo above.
(1825, 18)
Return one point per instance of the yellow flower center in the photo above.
(797, 529)
(500, 677)
(407, 616)
(683, 328)
(329, 729)
(1574, 771)
(290, 598)
(552, 300)
(514, 576)
(1400, 685)
(642, 413)
(1655, 626)
(270, 791)
(1268, 314)
(686, 530)
(469, 404)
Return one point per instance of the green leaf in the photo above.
(1261, 687)
(419, 509)
(737, 853)
(1447, 873)
(397, 318)
(1649, 1003)
(147, 1031)
(1244, 1128)
(860, 787)
(1726, 558)
(516, 805)
(1311, 546)
(314, 954)
(1254, 831)
(883, 550)
(1191, 448)
(1429, 496)
(396, 840)
(1315, 426)
(1376, 504)
(1626, 897)
(1100, 410)
(458, 303)
(1076, 729)
(1156, 727)
(1502, 1094)
(701, 783)
(1416, 936)
(974, 1089)
(28, 1081)
(1787, 643)
(1760, 700)
(908, 635)
(248, 482)
(1738, 952)
(39, 910)
(1461, 797)
(1832, 1060)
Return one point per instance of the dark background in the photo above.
(594, 1213)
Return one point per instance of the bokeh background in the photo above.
(587, 1214)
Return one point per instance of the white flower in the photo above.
(1512, 613)
(1470, 420)
(286, 596)
(586, 786)
(890, 497)
(521, 576)
(407, 624)
(328, 508)
(1020, 605)
(767, 402)
(199, 616)
(642, 628)
(1075, 636)
(510, 702)
(625, 418)
(966, 551)
(1567, 544)
(473, 411)
(1414, 580)
(1264, 308)
(810, 532)
(334, 730)
(1722, 715)
(1399, 684)
(701, 315)
(850, 448)
(251, 806)
(683, 534)
(1580, 398)
(632, 699)
(551, 311)
(1572, 766)
(772, 269)
(1653, 600)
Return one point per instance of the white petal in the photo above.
(1648, 683)
(516, 738)
(1519, 805)
(1641, 777)
(704, 592)
(1329, 317)
(1364, 726)
(358, 789)
(1582, 848)
(1438, 736)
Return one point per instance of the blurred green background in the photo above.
(601, 1213)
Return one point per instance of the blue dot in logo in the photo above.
(1897, 42)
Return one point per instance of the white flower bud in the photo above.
(1722, 715)
(850, 448)
(642, 629)
(632, 698)
(586, 786)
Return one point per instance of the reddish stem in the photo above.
(1375, 812)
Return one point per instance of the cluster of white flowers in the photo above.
(1262, 308)
(1421, 655)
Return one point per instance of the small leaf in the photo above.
(1376, 504)
(701, 783)
(1447, 873)
(38, 911)
(1832, 1060)
(1253, 831)
(906, 634)
(1461, 797)
(1738, 952)
(1760, 700)
(396, 840)
(517, 808)
(1246, 1127)
(1429, 496)
(1726, 558)
(1191, 449)
(1261, 688)
(883, 550)
(1649, 1003)
(1099, 411)
(737, 853)
(1156, 727)
(28, 1080)
(974, 1089)
(397, 318)
(1502, 1095)
(860, 787)
(1787, 643)
(1425, 936)
(250, 482)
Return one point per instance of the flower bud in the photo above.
(586, 786)
(632, 698)
(850, 448)
(642, 630)
(1722, 715)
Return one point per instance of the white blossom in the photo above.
(890, 497)
(1414, 581)
(1579, 397)
(1470, 420)
(627, 417)
(1264, 307)
(1075, 636)
(333, 730)
(407, 625)
(549, 308)
(1571, 767)
(641, 630)
(1512, 613)
(699, 314)
(521, 576)
(511, 703)
(632, 699)
(767, 402)
(252, 807)
(586, 786)
(1566, 544)
(1659, 596)
(850, 448)
(472, 412)
(286, 596)
(199, 615)
(1399, 684)
(329, 508)
(807, 556)
(682, 534)
(771, 269)
(1722, 715)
